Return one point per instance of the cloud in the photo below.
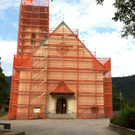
(7, 50)
(2, 14)
(120, 50)
(84, 14)
(6, 4)
(15, 25)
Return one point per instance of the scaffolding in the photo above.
(48, 60)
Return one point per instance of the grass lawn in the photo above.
(2, 115)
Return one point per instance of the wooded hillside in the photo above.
(8, 78)
(125, 85)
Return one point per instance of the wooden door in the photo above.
(61, 107)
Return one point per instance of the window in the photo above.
(62, 49)
(33, 38)
(45, 9)
(94, 109)
(45, 46)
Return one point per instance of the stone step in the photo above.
(60, 116)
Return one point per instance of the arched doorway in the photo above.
(61, 106)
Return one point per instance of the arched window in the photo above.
(33, 38)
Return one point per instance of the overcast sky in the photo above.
(95, 26)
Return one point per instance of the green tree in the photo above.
(131, 104)
(3, 88)
(126, 14)
(118, 102)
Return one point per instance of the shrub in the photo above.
(126, 118)
(114, 121)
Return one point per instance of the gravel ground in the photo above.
(62, 126)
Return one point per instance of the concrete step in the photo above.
(60, 116)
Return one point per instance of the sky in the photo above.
(94, 22)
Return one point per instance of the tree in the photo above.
(126, 14)
(118, 102)
(131, 104)
(126, 118)
(3, 88)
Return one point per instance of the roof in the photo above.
(62, 88)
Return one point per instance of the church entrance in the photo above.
(61, 106)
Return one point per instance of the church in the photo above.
(54, 74)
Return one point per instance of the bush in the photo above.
(114, 121)
(126, 118)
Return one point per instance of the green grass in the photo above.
(1, 115)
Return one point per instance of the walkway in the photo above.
(62, 126)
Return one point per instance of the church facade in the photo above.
(54, 74)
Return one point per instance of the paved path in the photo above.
(62, 127)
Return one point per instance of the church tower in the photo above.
(33, 29)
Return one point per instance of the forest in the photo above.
(125, 85)
(9, 78)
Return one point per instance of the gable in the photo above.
(64, 41)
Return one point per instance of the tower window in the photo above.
(33, 38)
(45, 9)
